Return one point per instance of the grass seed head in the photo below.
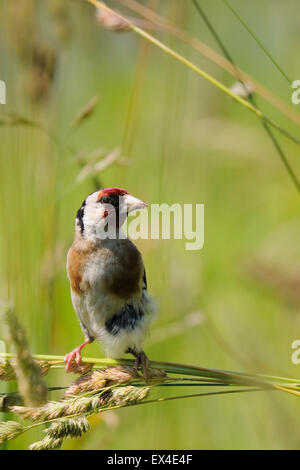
(6, 370)
(59, 430)
(68, 427)
(10, 430)
(102, 378)
(122, 396)
(48, 443)
(28, 371)
(50, 410)
(83, 368)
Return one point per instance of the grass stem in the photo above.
(199, 71)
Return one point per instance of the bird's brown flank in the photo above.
(75, 264)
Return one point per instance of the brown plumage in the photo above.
(126, 281)
(77, 258)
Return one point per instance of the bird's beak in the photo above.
(133, 204)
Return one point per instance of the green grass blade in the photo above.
(257, 40)
(200, 72)
(229, 377)
(275, 142)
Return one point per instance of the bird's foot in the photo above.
(75, 354)
(141, 361)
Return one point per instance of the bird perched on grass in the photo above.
(108, 279)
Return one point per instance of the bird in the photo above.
(108, 279)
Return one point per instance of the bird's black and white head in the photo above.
(103, 213)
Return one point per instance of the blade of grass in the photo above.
(193, 395)
(288, 390)
(200, 72)
(212, 55)
(214, 33)
(251, 97)
(177, 368)
(193, 384)
(257, 40)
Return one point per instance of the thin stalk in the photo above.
(199, 71)
(184, 369)
(257, 40)
(214, 33)
(155, 400)
(194, 384)
(211, 54)
(282, 155)
(251, 97)
(178, 397)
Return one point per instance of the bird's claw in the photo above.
(70, 357)
(75, 354)
(143, 361)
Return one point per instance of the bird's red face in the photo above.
(111, 192)
(120, 200)
(109, 206)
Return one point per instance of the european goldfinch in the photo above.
(108, 279)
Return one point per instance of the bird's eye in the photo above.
(105, 200)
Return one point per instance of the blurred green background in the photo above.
(233, 305)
